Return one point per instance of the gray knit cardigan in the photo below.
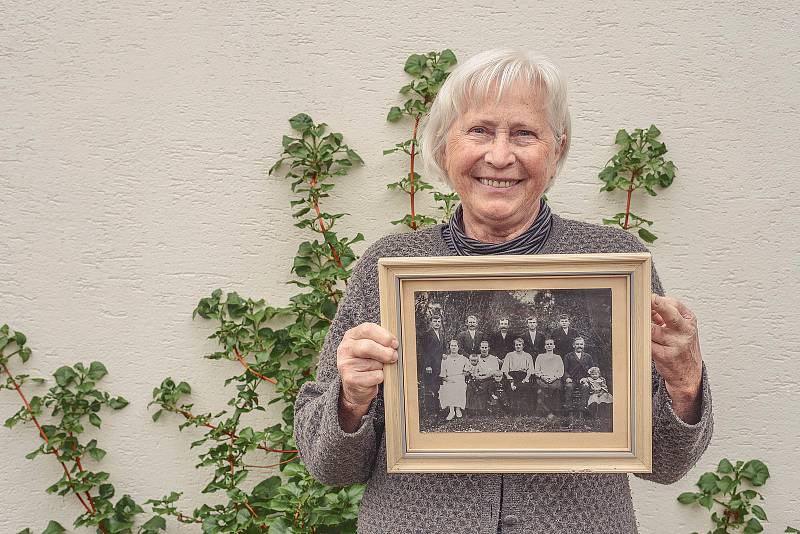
(474, 503)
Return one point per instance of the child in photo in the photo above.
(475, 398)
(453, 392)
(598, 393)
(497, 395)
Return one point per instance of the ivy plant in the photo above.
(639, 164)
(283, 356)
(729, 494)
(60, 417)
(428, 72)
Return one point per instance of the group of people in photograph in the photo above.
(532, 373)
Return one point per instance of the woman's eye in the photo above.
(479, 130)
(526, 133)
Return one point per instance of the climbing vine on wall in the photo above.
(428, 72)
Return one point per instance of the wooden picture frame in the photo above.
(408, 283)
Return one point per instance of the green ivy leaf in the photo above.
(395, 114)
(301, 122)
(756, 472)
(688, 497)
(415, 64)
(97, 371)
(53, 527)
(447, 58)
(155, 524)
(725, 466)
(759, 512)
(646, 235)
(117, 403)
(64, 376)
(94, 420)
(753, 526)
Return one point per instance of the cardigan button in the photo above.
(510, 520)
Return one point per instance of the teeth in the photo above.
(498, 183)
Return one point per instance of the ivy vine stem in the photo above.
(322, 229)
(628, 204)
(250, 369)
(413, 154)
(54, 450)
(191, 417)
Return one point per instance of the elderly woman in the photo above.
(498, 132)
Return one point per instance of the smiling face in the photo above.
(500, 157)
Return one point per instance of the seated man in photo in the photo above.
(576, 366)
(518, 368)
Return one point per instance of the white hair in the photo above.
(493, 73)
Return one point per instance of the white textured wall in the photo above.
(135, 136)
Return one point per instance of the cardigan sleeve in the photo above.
(331, 455)
(677, 446)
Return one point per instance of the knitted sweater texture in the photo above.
(475, 503)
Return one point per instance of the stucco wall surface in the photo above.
(135, 138)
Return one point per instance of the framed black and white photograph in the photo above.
(518, 363)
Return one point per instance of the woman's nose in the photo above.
(500, 154)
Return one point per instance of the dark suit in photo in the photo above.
(469, 343)
(564, 340)
(499, 345)
(534, 345)
(430, 348)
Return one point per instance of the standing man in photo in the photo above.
(430, 347)
(469, 341)
(533, 337)
(501, 342)
(564, 335)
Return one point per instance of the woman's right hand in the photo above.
(360, 358)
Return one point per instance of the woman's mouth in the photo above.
(497, 183)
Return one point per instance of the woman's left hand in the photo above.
(676, 354)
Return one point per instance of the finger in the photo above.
(361, 365)
(367, 348)
(664, 336)
(374, 332)
(365, 379)
(656, 318)
(684, 311)
(666, 308)
(662, 355)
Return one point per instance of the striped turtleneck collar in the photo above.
(530, 241)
